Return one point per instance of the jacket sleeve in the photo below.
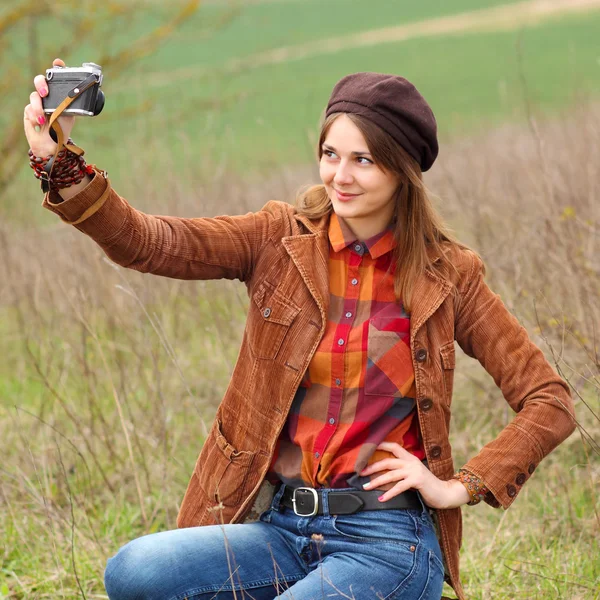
(197, 248)
(486, 330)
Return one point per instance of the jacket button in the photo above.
(421, 355)
(511, 490)
(426, 404)
(531, 468)
(521, 477)
(267, 313)
(435, 452)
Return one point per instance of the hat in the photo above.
(395, 105)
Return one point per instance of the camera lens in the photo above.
(99, 103)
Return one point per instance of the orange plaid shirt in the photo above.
(359, 389)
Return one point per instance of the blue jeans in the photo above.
(379, 554)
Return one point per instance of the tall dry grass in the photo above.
(110, 379)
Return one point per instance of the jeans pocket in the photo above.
(397, 527)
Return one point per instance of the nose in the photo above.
(343, 176)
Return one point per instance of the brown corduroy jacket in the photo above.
(282, 258)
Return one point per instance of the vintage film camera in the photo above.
(62, 80)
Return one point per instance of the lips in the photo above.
(345, 197)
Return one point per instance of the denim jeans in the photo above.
(378, 554)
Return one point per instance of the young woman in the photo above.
(342, 393)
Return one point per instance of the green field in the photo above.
(269, 116)
(262, 118)
(109, 379)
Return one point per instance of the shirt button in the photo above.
(421, 355)
(317, 455)
(354, 281)
(358, 247)
(511, 490)
(435, 452)
(521, 477)
(340, 342)
(531, 468)
(338, 382)
(331, 421)
(348, 315)
(267, 313)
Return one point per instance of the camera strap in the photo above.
(55, 125)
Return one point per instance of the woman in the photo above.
(341, 395)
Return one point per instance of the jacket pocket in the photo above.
(225, 473)
(448, 360)
(269, 318)
(389, 364)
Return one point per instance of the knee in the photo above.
(126, 576)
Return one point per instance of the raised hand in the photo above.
(35, 122)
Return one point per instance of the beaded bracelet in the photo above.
(476, 488)
(69, 169)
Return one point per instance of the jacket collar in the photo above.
(310, 254)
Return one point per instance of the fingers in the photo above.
(41, 86)
(399, 488)
(389, 477)
(399, 454)
(35, 122)
(30, 117)
(395, 449)
(36, 109)
(380, 465)
(27, 119)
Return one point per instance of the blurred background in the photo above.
(109, 379)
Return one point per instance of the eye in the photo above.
(369, 162)
(328, 153)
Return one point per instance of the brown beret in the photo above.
(395, 105)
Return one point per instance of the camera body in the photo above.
(61, 80)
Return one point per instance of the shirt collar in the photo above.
(341, 236)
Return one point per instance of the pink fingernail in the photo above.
(43, 91)
(380, 498)
(41, 120)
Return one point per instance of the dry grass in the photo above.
(110, 379)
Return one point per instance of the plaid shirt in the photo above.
(359, 388)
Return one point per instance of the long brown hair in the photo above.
(418, 228)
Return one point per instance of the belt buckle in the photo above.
(315, 498)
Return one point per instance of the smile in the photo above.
(345, 197)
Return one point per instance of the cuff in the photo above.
(478, 491)
(84, 204)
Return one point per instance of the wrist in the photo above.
(45, 151)
(68, 193)
(457, 494)
(62, 170)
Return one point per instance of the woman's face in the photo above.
(360, 191)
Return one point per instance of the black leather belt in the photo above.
(307, 502)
